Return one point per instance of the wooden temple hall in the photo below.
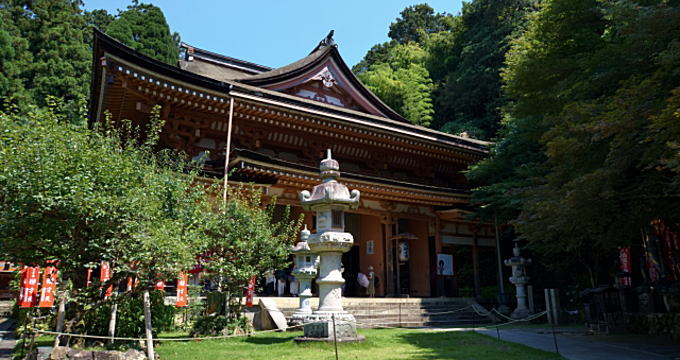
(414, 196)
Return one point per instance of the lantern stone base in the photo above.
(345, 331)
(299, 318)
(520, 313)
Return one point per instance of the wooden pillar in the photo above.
(389, 258)
(475, 263)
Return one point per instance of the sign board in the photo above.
(29, 286)
(182, 290)
(49, 285)
(444, 264)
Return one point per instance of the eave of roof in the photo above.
(104, 44)
(248, 156)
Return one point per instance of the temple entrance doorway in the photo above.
(351, 259)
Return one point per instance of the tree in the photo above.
(588, 152)
(14, 57)
(143, 27)
(469, 98)
(416, 22)
(81, 196)
(403, 82)
(60, 62)
(244, 238)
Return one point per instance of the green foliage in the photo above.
(81, 196)
(403, 82)
(130, 317)
(210, 325)
(143, 27)
(45, 48)
(244, 239)
(454, 84)
(51, 57)
(469, 97)
(588, 153)
(416, 22)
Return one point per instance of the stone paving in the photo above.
(7, 340)
(582, 347)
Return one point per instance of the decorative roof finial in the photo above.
(328, 41)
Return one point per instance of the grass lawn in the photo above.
(379, 344)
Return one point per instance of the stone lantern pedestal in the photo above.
(330, 200)
(520, 279)
(304, 270)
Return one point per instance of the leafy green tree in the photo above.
(244, 238)
(81, 196)
(416, 22)
(469, 98)
(14, 57)
(403, 82)
(60, 62)
(143, 27)
(589, 151)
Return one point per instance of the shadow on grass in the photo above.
(269, 340)
(469, 345)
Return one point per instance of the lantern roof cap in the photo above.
(330, 191)
(302, 246)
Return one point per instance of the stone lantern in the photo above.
(304, 270)
(520, 279)
(330, 200)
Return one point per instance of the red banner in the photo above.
(159, 285)
(105, 275)
(29, 286)
(250, 291)
(182, 290)
(89, 277)
(626, 266)
(49, 285)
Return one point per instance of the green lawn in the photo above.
(379, 344)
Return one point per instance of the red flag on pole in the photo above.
(105, 275)
(49, 285)
(29, 286)
(182, 290)
(250, 291)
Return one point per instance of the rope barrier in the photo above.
(382, 325)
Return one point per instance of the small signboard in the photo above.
(444, 264)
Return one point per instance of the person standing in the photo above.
(294, 285)
(269, 281)
(370, 291)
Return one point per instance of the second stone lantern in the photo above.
(330, 200)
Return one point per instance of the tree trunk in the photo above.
(147, 325)
(112, 322)
(61, 312)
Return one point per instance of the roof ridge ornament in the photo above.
(328, 40)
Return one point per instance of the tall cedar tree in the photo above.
(143, 27)
(51, 57)
(469, 98)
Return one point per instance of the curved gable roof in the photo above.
(324, 58)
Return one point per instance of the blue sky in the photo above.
(277, 32)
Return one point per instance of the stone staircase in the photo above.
(401, 312)
(6, 308)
